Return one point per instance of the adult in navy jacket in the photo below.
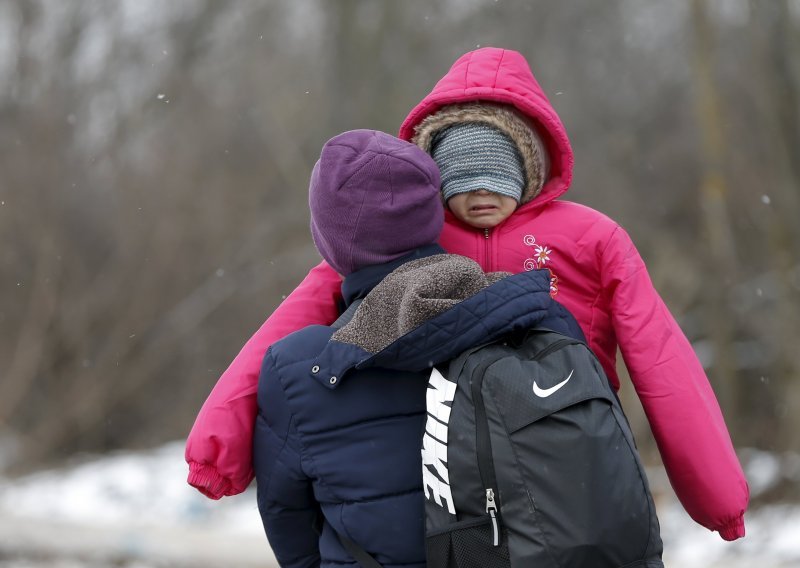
(342, 408)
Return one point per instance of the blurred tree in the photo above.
(155, 159)
(714, 195)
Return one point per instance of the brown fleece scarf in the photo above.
(411, 295)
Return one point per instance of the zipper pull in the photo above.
(491, 508)
(486, 233)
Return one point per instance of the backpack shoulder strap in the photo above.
(360, 555)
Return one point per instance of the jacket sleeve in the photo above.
(219, 446)
(285, 493)
(677, 398)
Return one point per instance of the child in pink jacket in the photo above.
(490, 97)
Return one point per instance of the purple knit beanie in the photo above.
(373, 198)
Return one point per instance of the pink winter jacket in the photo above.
(597, 274)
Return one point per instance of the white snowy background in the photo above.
(134, 510)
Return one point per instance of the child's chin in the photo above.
(484, 221)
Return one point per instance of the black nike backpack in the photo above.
(529, 461)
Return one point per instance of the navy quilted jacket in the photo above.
(339, 429)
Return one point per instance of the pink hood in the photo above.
(512, 82)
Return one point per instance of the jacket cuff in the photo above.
(733, 529)
(207, 480)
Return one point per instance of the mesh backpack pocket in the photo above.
(467, 544)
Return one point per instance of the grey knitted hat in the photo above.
(473, 156)
(503, 117)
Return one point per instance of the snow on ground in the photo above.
(128, 509)
(134, 510)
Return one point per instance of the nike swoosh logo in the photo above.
(544, 393)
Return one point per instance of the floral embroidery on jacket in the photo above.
(539, 260)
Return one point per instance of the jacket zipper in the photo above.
(483, 445)
(486, 249)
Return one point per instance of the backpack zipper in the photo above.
(483, 446)
(491, 508)
(555, 346)
(483, 441)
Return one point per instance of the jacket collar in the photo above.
(518, 302)
(359, 283)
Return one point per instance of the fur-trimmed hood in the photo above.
(503, 77)
(508, 120)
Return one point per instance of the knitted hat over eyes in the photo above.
(373, 198)
(506, 119)
(473, 156)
